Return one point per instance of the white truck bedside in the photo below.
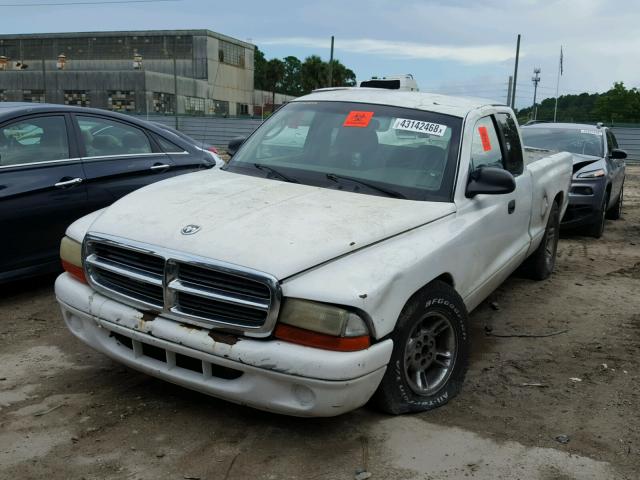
(332, 261)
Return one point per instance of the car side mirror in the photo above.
(618, 154)
(491, 181)
(234, 145)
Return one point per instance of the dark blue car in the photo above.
(597, 186)
(58, 163)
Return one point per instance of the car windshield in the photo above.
(363, 148)
(584, 140)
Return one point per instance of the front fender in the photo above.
(380, 279)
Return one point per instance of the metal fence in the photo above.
(210, 130)
(629, 140)
(218, 131)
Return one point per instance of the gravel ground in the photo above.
(69, 412)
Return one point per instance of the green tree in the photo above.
(619, 104)
(260, 70)
(293, 77)
(292, 80)
(342, 76)
(274, 75)
(314, 73)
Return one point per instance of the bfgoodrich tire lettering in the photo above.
(437, 304)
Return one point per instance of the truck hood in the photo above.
(580, 158)
(589, 161)
(268, 225)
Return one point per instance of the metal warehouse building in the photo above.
(197, 72)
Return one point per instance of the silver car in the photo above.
(598, 171)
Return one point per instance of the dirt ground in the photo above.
(69, 412)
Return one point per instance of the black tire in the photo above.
(443, 356)
(596, 229)
(615, 212)
(542, 262)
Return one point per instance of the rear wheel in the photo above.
(542, 262)
(430, 353)
(615, 212)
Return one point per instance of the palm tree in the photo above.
(314, 73)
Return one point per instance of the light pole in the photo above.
(515, 75)
(535, 79)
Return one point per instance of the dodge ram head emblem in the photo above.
(190, 229)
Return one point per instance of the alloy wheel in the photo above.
(430, 353)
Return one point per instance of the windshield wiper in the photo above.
(388, 192)
(275, 172)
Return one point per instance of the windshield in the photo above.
(363, 148)
(584, 141)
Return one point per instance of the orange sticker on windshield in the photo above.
(484, 137)
(358, 119)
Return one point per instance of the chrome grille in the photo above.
(196, 290)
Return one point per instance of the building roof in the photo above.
(456, 106)
(128, 33)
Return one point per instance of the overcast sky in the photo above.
(451, 46)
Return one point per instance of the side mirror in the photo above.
(490, 180)
(234, 145)
(618, 154)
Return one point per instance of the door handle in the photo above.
(160, 166)
(511, 206)
(67, 183)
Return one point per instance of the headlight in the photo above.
(322, 325)
(71, 257)
(592, 174)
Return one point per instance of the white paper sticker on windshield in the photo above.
(592, 132)
(419, 126)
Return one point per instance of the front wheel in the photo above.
(430, 352)
(596, 229)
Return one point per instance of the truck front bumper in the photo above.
(266, 374)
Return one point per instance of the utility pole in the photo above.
(535, 79)
(331, 64)
(515, 75)
(44, 72)
(509, 88)
(175, 82)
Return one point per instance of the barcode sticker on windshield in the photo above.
(420, 127)
(592, 132)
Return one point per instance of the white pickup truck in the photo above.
(332, 261)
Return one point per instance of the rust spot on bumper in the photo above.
(149, 315)
(223, 338)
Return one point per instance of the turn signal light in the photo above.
(321, 340)
(76, 272)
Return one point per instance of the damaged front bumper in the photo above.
(266, 374)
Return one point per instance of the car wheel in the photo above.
(597, 228)
(543, 261)
(615, 212)
(430, 352)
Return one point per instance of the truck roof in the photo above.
(456, 106)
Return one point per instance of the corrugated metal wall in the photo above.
(629, 140)
(218, 131)
(211, 130)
